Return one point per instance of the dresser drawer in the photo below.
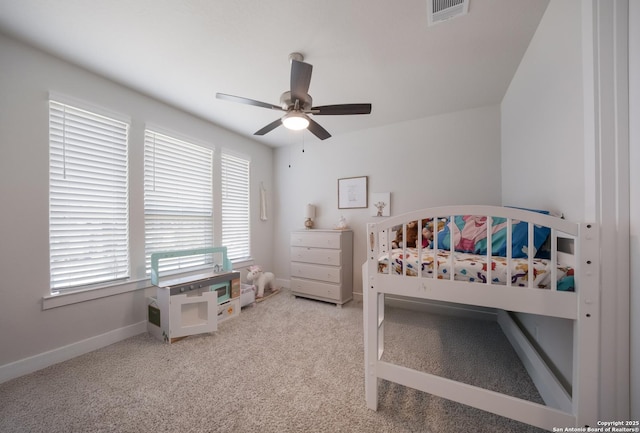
(316, 272)
(316, 239)
(316, 255)
(315, 288)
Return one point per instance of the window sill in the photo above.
(62, 299)
(243, 263)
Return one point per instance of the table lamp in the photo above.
(309, 214)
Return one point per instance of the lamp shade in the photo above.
(310, 211)
(295, 121)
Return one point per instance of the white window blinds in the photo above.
(236, 234)
(178, 198)
(88, 198)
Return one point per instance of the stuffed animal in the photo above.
(261, 279)
(427, 236)
(427, 231)
(412, 236)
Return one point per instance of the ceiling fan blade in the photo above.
(318, 130)
(247, 101)
(341, 109)
(300, 80)
(270, 127)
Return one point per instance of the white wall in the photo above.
(568, 98)
(542, 115)
(27, 77)
(441, 160)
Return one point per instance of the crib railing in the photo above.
(382, 238)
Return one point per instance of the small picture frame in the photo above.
(380, 204)
(352, 193)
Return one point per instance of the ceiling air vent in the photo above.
(443, 10)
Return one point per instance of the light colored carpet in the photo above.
(284, 365)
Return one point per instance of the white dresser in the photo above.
(322, 265)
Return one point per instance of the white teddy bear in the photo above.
(261, 279)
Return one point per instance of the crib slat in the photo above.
(452, 269)
(554, 260)
(435, 248)
(419, 249)
(530, 254)
(389, 269)
(404, 249)
(489, 248)
(509, 252)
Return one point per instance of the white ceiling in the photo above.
(376, 51)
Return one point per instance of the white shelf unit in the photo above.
(322, 265)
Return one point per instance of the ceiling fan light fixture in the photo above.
(295, 121)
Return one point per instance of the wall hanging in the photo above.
(380, 204)
(352, 192)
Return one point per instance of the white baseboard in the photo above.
(549, 387)
(284, 283)
(64, 353)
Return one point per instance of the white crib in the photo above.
(431, 274)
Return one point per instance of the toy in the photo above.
(342, 223)
(427, 231)
(247, 294)
(427, 236)
(412, 234)
(261, 279)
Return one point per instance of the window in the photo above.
(88, 198)
(236, 234)
(178, 198)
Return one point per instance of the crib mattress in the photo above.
(473, 268)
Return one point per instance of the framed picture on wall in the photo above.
(380, 204)
(352, 192)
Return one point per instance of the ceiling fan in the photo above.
(298, 104)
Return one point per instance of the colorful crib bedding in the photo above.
(473, 268)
